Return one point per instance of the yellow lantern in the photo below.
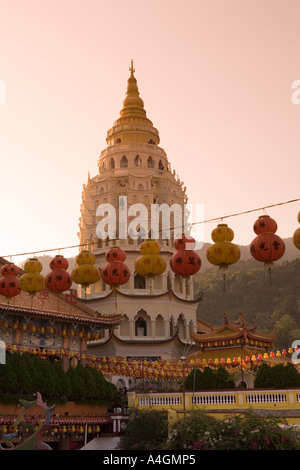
(296, 236)
(32, 281)
(222, 233)
(223, 253)
(150, 263)
(85, 273)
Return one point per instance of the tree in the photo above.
(62, 381)
(223, 379)
(263, 378)
(278, 376)
(145, 430)
(8, 378)
(25, 383)
(194, 380)
(78, 389)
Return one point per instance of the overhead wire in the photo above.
(190, 224)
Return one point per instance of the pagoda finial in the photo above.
(132, 70)
(133, 104)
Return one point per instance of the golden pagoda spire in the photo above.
(132, 70)
(133, 104)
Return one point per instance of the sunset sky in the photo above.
(216, 79)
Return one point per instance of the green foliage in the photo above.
(148, 430)
(145, 430)
(8, 378)
(248, 291)
(190, 429)
(24, 375)
(249, 432)
(278, 376)
(209, 379)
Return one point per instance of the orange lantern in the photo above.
(32, 281)
(58, 280)
(267, 247)
(116, 272)
(9, 283)
(185, 261)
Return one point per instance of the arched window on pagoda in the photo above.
(141, 327)
(181, 326)
(139, 281)
(112, 164)
(150, 162)
(137, 161)
(124, 162)
(160, 165)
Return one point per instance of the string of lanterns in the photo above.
(156, 368)
(58, 429)
(267, 247)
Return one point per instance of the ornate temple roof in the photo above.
(233, 333)
(57, 307)
(62, 307)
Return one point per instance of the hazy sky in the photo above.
(215, 76)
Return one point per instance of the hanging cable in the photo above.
(190, 224)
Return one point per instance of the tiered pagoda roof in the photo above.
(231, 339)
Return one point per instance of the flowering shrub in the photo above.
(148, 430)
(240, 432)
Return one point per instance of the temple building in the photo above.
(57, 325)
(134, 171)
(232, 339)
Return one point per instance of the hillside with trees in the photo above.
(248, 290)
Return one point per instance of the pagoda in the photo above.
(158, 312)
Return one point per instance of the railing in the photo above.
(159, 400)
(213, 399)
(266, 398)
(286, 399)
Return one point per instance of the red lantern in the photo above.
(58, 280)
(9, 283)
(59, 262)
(265, 224)
(184, 242)
(115, 254)
(116, 272)
(267, 247)
(185, 262)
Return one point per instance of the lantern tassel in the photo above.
(270, 276)
(224, 282)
